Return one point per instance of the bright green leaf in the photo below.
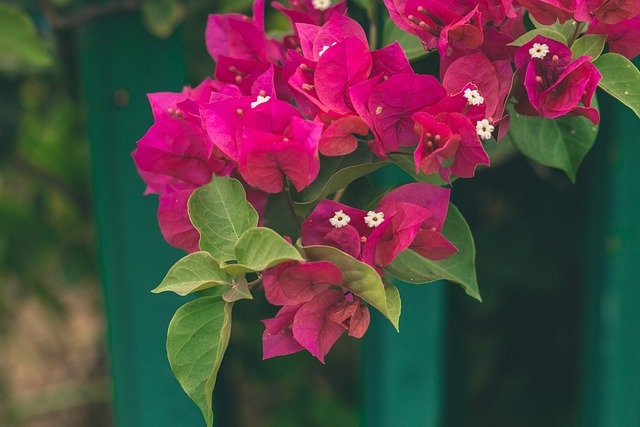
(410, 43)
(560, 143)
(591, 45)
(195, 272)
(620, 79)
(260, 248)
(197, 338)
(360, 279)
(161, 17)
(221, 213)
(239, 290)
(568, 29)
(546, 32)
(338, 172)
(458, 268)
(20, 48)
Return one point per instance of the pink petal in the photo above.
(311, 326)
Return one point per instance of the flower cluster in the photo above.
(277, 110)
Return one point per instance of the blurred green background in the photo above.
(514, 360)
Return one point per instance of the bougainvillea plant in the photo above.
(260, 168)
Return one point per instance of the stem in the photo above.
(372, 14)
(576, 32)
(339, 193)
(287, 193)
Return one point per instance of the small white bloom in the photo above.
(324, 49)
(321, 5)
(379, 110)
(473, 96)
(484, 129)
(374, 219)
(539, 50)
(340, 219)
(261, 100)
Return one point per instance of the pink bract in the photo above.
(555, 84)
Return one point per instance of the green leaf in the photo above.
(458, 268)
(161, 17)
(560, 143)
(546, 32)
(568, 29)
(338, 172)
(365, 4)
(20, 48)
(620, 79)
(197, 338)
(591, 45)
(221, 213)
(362, 280)
(239, 290)
(195, 272)
(410, 43)
(260, 248)
(407, 164)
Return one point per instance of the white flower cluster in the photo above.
(261, 100)
(324, 49)
(539, 50)
(340, 219)
(321, 5)
(473, 96)
(484, 129)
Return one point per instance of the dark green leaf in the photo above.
(591, 45)
(365, 4)
(362, 280)
(20, 48)
(197, 338)
(546, 32)
(410, 43)
(260, 248)
(407, 164)
(161, 17)
(620, 79)
(458, 268)
(195, 272)
(560, 143)
(338, 172)
(221, 213)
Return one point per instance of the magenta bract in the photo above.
(315, 313)
(555, 84)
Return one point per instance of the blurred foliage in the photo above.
(46, 226)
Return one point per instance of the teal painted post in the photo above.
(612, 363)
(402, 383)
(120, 63)
(403, 373)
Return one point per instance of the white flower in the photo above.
(321, 5)
(324, 49)
(539, 50)
(261, 100)
(374, 219)
(473, 96)
(340, 219)
(484, 129)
